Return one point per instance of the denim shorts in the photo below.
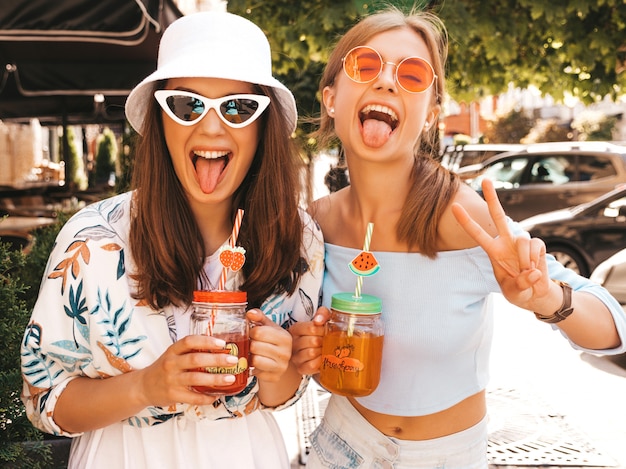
(345, 440)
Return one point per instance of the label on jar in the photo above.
(232, 348)
(351, 363)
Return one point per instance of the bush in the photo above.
(20, 277)
(36, 259)
(14, 425)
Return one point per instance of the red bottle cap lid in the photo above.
(220, 296)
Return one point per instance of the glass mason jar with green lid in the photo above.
(352, 347)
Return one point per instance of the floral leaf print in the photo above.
(76, 307)
(116, 362)
(98, 208)
(111, 247)
(171, 324)
(83, 330)
(271, 307)
(117, 322)
(307, 303)
(69, 362)
(71, 264)
(116, 213)
(286, 319)
(291, 320)
(71, 346)
(121, 266)
(155, 419)
(32, 337)
(96, 232)
(37, 369)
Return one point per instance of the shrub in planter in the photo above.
(14, 426)
(21, 444)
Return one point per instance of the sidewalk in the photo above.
(549, 405)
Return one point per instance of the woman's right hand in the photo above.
(307, 342)
(170, 378)
(88, 403)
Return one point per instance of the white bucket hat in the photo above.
(212, 45)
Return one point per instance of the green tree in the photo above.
(577, 47)
(126, 160)
(74, 167)
(106, 156)
(511, 128)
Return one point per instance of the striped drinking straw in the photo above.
(233, 242)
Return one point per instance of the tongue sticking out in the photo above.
(376, 132)
(209, 171)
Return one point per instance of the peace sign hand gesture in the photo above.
(519, 262)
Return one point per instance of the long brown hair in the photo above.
(166, 242)
(433, 186)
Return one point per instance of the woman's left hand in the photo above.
(270, 347)
(519, 262)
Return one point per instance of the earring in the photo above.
(331, 111)
(426, 125)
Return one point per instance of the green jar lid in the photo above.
(348, 303)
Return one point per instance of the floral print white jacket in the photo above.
(86, 322)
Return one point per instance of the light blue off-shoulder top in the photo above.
(438, 328)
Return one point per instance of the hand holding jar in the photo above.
(222, 314)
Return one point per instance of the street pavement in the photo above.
(549, 404)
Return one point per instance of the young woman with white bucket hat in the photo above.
(107, 357)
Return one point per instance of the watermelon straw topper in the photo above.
(365, 264)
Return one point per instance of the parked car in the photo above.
(550, 176)
(456, 156)
(583, 236)
(611, 274)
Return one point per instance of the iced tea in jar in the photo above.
(222, 314)
(352, 347)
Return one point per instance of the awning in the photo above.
(77, 59)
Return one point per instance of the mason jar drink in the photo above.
(352, 347)
(222, 314)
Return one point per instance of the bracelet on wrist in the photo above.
(566, 308)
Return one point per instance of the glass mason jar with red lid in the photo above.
(222, 314)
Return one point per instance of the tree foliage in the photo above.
(106, 156)
(74, 168)
(14, 425)
(509, 129)
(576, 47)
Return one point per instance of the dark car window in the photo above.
(595, 167)
(505, 174)
(553, 170)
